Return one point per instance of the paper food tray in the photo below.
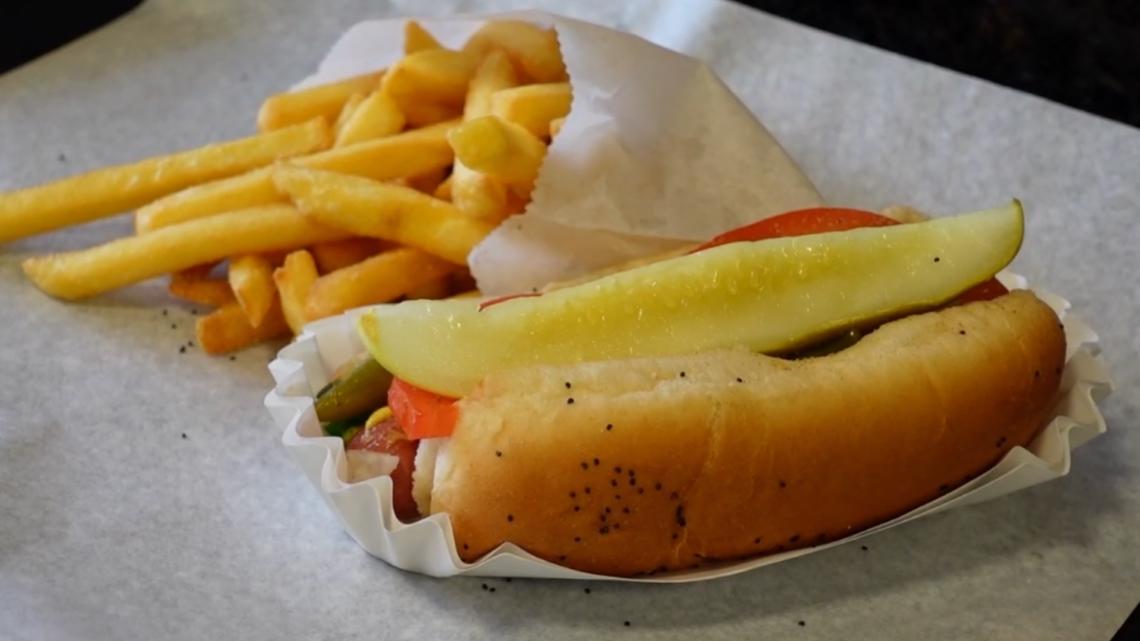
(427, 546)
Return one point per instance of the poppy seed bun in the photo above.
(626, 467)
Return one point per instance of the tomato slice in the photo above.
(421, 414)
(386, 437)
(801, 222)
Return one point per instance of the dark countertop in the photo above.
(1082, 54)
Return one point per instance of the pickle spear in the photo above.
(772, 296)
(363, 389)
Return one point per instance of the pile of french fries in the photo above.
(362, 191)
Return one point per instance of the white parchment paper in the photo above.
(114, 526)
(656, 151)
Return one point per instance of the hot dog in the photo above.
(667, 459)
(661, 464)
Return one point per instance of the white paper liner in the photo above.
(655, 152)
(427, 546)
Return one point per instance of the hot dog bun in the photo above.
(626, 467)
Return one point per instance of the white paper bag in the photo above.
(656, 152)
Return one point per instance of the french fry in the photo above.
(210, 292)
(121, 262)
(516, 202)
(227, 329)
(407, 154)
(197, 272)
(478, 195)
(556, 126)
(345, 115)
(426, 114)
(379, 279)
(443, 190)
(194, 284)
(365, 207)
(321, 101)
(251, 279)
(251, 189)
(494, 74)
(426, 182)
(532, 49)
(461, 280)
(474, 193)
(112, 190)
(410, 153)
(433, 289)
(416, 38)
(430, 75)
(338, 254)
(535, 107)
(377, 116)
(500, 149)
(294, 280)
